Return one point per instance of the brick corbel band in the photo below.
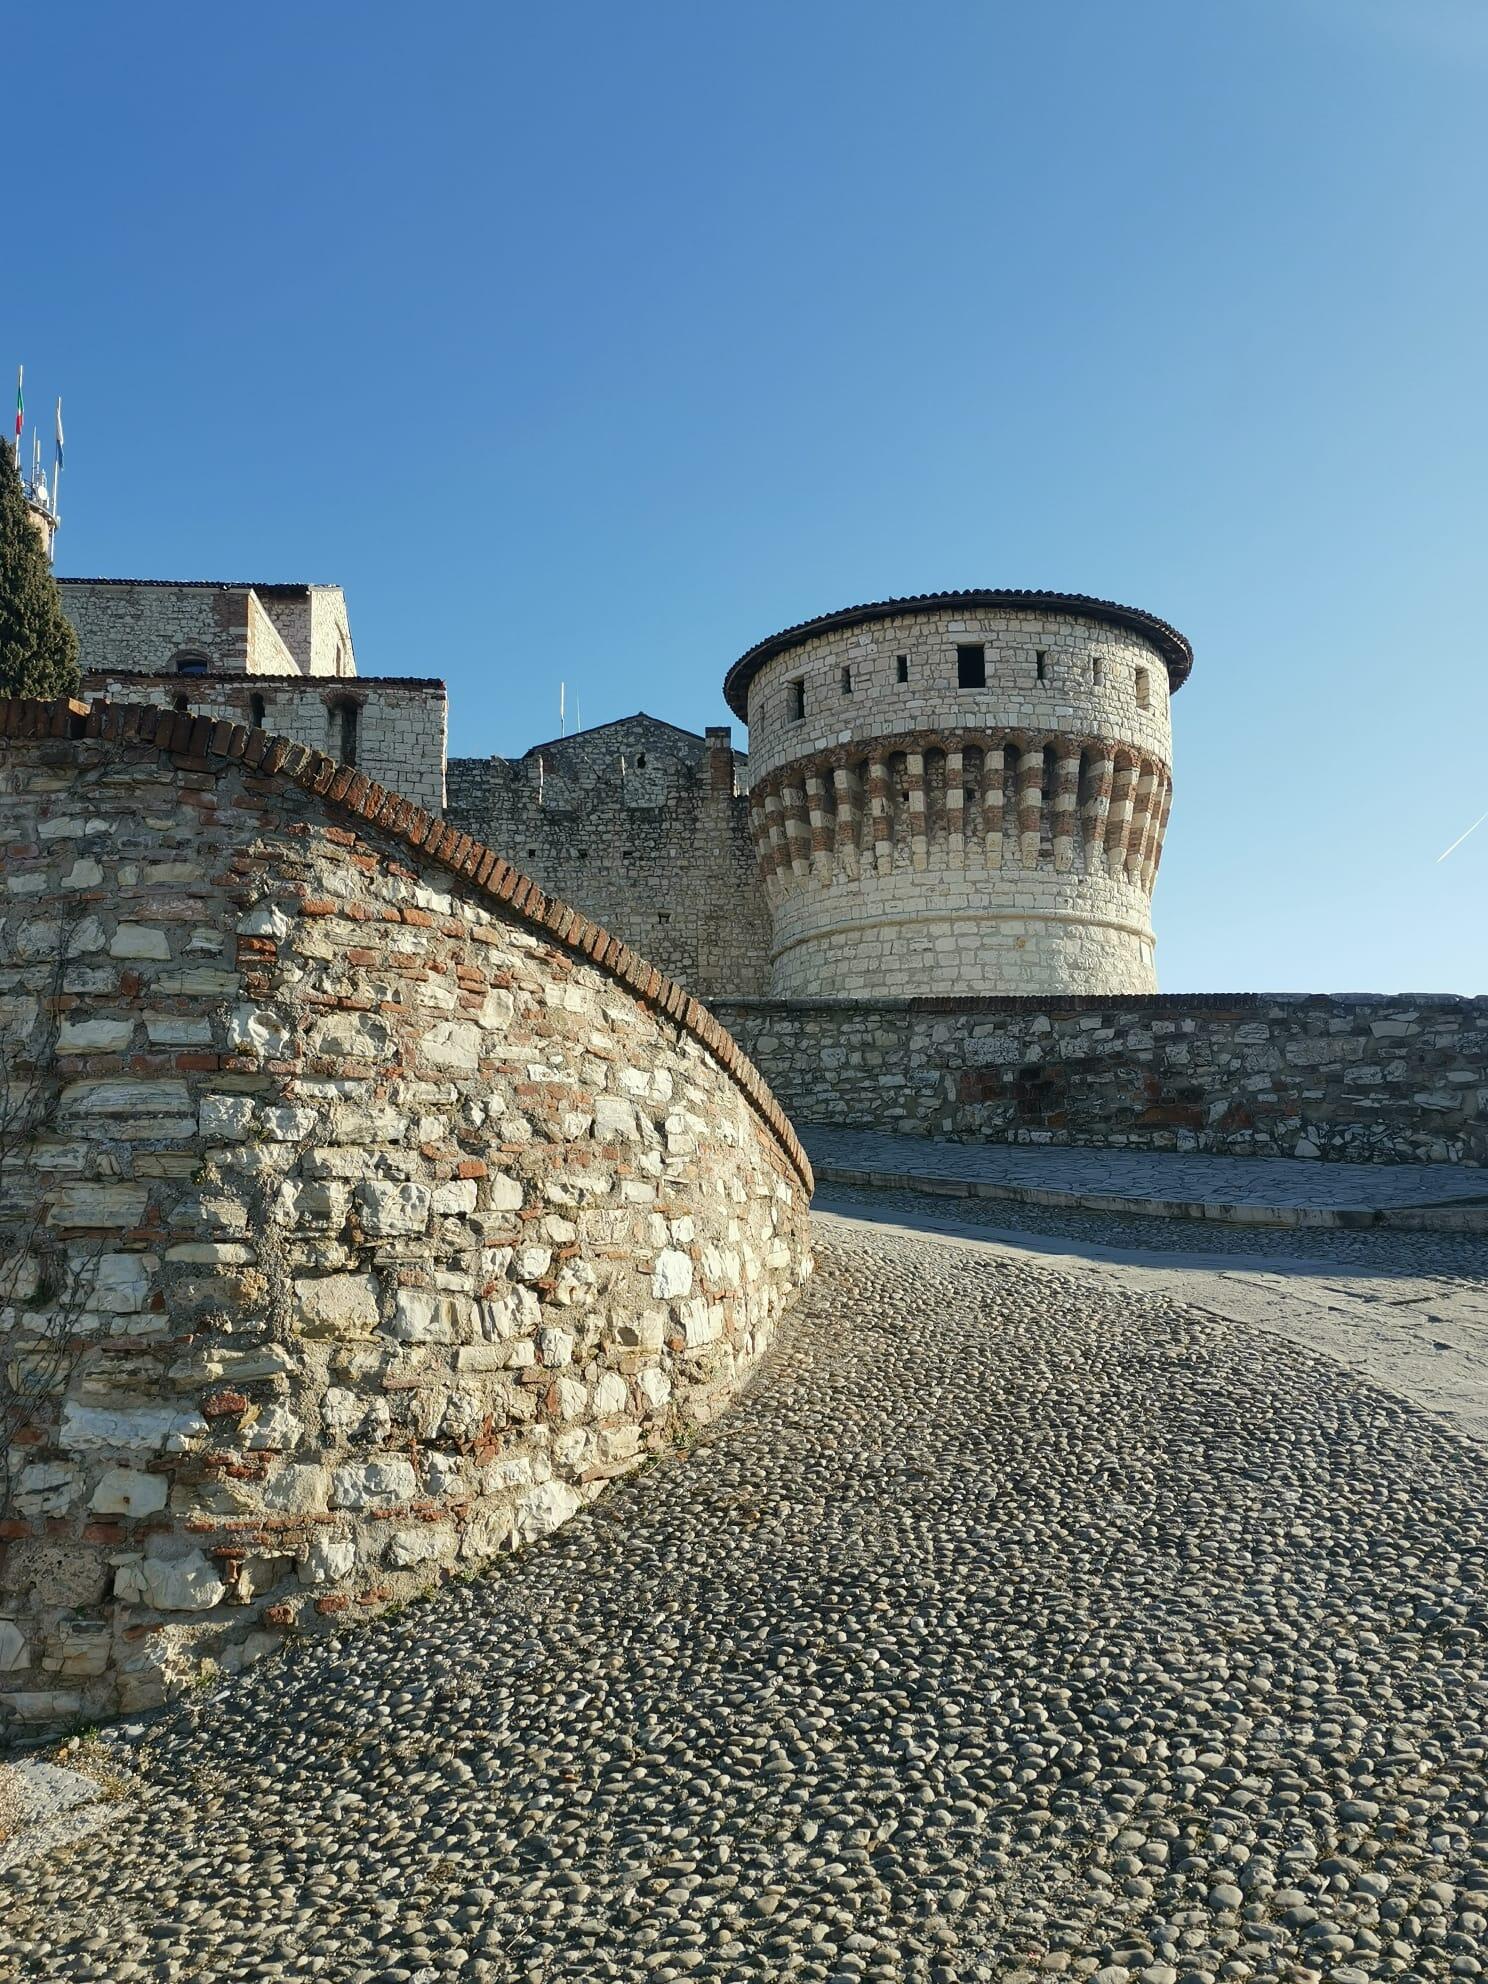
(202, 739)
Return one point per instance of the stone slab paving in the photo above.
(1266, 1191)
(1014, 1625)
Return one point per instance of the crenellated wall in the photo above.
(962, 794)
(371, 1210)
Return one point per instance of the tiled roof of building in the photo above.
(1172, 645)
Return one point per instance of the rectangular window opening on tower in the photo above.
(795, 700)
(901, 667)
(1041, 665)
(1097, 670)
(847, 681)
(971, 667)
(1144, 689)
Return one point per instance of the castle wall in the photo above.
(400, 723)
(917, 837)
(1368, 1079)
(639, 825)
(374, 1213)
(137, 627)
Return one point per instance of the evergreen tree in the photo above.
(38, 647)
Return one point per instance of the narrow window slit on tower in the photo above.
(344, 716)
(795, 706)
(971, 667)
(901, 667)
(1041, 665)
(1097, 670)
(847, 681)
(1144, 689)
(258, 710)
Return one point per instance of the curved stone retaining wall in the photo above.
(373, 1210)
(1373, 1079)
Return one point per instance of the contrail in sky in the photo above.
(1462, 837)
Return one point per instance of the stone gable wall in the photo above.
(387, 1208)
(1367, 1079)
(640, 825)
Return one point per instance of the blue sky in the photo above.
(595, 343)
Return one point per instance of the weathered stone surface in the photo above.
(400, 1235)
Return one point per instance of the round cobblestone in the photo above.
(1012, 1627)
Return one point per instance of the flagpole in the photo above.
(20, 416)
(57, 467)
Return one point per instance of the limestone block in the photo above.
(275, 1429)
(94, 1036)
(45, 1488)
(13, 1653)
(177, 1030)
(121, 1284)
(186, 1583)
(328, 1560)
(503, 1194)
(390, 1208)
(542, 1508)
(128, 1491)
(671, 1277)
(139, 940)
(421, 1315)
(226, 1117)
(337, 1304)
(615, 1116)
(451, 1044)
(89, 1429)
(265, 919)
(427, 1543)
(456, 1199)
(254, 1030)
(296, 1489)
(374, 1484)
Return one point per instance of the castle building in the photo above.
(272, 657)
(955, 794)
(961, 793)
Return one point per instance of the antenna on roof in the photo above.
(562, 691)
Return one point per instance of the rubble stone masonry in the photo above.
(368, 1212)
(1357, 1077)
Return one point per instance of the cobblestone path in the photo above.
(1012, 1625)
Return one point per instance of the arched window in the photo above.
(343, 740)
(191, 661)
(257, 710)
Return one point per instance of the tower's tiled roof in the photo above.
(1172, 646)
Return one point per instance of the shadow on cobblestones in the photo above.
(1010, 1624)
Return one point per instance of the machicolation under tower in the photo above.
(961, 793)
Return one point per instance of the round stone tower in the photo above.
(961, 792)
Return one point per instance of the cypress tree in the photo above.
(38, 647)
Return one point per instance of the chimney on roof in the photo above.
(721, 759)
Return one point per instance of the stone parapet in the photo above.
(371, 1209)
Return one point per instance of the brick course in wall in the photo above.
(403, 1205)
(1360, 1078)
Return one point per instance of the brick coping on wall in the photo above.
(202, 739)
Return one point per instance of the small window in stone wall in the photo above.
(971, 667)
(1041, 665)
(191, 661)
(258, 711)
(1097, 670)
(1144, 689)
(344, 731)
(901, 667)
(847, 681)
(183, 704)
(640, 761)
(795, 700)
